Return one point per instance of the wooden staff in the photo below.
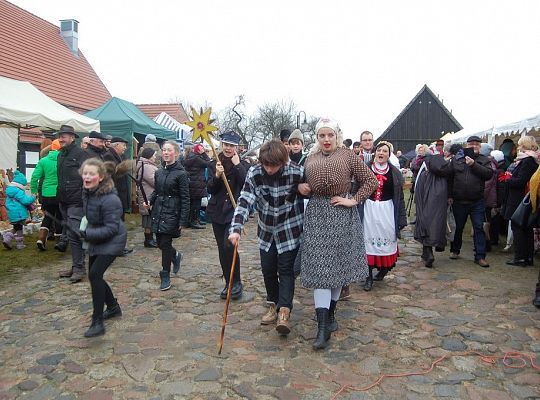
(229, 289)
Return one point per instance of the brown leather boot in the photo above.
(271, 315)
(42, 239)
(283, 321)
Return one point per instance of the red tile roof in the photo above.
(174, 110)
(31, 49)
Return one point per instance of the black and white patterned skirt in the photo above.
(333, 250)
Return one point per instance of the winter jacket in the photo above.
(466, 183)
(490, 188)
(69, 190)
(17, 201)
(105, 233)
(299, 158)
(220, 209)
(195, 165)
(516, 186)
(95, 152)
(120, 182)
(46, 168)
(431, 197)
(145, 174)
(170, 200)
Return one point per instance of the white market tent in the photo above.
(514, 128)
(24, 106)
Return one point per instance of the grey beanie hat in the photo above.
(297, 134)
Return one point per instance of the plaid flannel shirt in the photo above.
(280, 207)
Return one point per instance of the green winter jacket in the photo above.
(46, 169)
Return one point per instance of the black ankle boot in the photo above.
(149, 240)
(114, 311)
(369, 281)
(429, 257)
(323, 334)
(332, 323)
(96, 328)
(381, 274)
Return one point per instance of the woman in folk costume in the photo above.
(383, 215)
(333, 252)
(431, 195)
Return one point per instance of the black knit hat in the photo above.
(284, 134)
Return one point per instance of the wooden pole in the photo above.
(229, 289)
(225, 181)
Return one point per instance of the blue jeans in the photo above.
(477, 212)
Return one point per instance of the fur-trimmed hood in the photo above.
(106, 186)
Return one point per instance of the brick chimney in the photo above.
(69, 30)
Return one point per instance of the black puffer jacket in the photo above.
(220, 209)
(106, 233)
(70, 159)
(170, 200)
(466, 184)
(196, 165)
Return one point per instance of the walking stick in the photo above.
(229, 289)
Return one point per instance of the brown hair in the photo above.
(273, 153)
(105, 169)
(365, 133)
(175, 146)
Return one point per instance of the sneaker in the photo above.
(77, 276)
(111, 312)
(176, 262)
(66, 273)
(507, 248)
(483, 263)
(283, 321)
(165, 280)
(271, 315)
(454, 256)
(61, 246)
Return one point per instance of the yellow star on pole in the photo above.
(201, 124)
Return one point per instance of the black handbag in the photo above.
(523, 216)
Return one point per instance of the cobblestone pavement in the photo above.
(165, 345)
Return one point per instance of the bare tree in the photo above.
(309, 132)
(271, 118)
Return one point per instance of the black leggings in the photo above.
(164, 242)
(226, 251)
(101, 292)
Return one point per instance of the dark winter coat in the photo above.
(195, 165)
(105, 233)
(95, 152)
(431, 196)
(466, 183)
(398, 200)
(70, 160)
(516, 186)
(220, 209)
(490, 188)
(170, 200)
(120, 182)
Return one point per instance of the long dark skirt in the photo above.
(333, 250)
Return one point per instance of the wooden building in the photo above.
(422, 121)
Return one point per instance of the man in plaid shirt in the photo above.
(273, 186)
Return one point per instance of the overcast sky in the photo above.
(359, 62)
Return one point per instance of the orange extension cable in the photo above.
(508, 360)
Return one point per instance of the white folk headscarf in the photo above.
(326, 122)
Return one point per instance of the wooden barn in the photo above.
(422, 121)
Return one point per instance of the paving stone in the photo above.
(28, 385)
(458, 377)
(176, 389)
(453, 344)
(53, 359)
(446, 391)
(210, 374)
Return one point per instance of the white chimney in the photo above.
(69, 29)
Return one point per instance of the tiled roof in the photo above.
(31, 49)
(174, 110)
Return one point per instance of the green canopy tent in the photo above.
(121, 118)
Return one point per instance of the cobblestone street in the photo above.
(165, 344)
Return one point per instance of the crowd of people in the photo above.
(331, 215)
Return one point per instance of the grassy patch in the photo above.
(31, 256)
